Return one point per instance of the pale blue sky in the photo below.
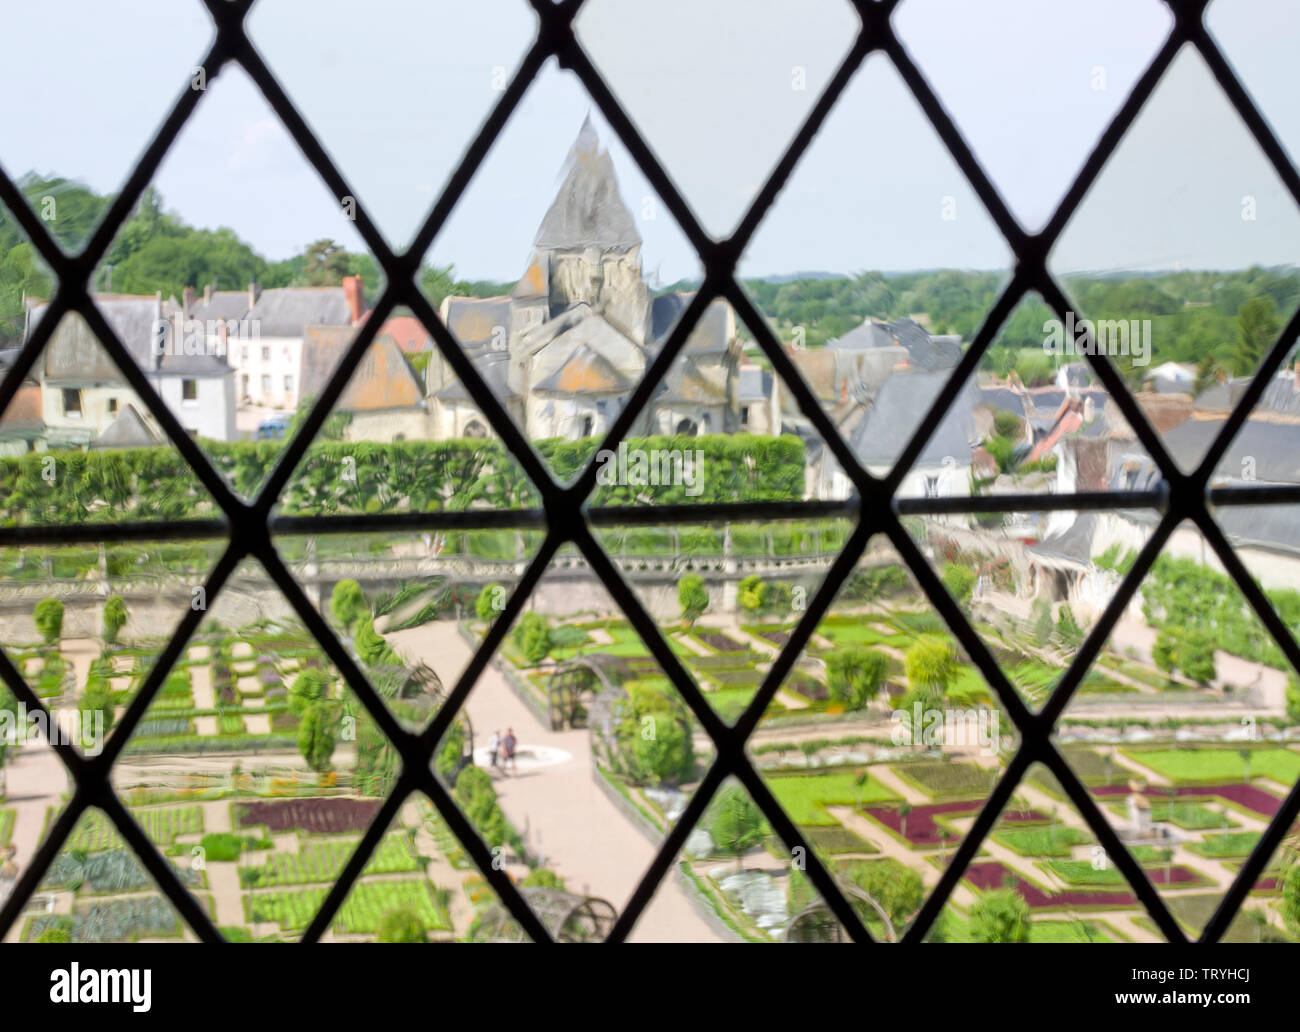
(396, 90)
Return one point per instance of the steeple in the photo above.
(588, 210)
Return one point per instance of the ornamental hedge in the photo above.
(157, 484)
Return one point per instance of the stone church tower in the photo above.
(572, 340)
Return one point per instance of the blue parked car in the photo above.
(273, 429)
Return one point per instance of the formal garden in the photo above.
(256, 772)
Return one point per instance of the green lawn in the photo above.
(1081, 872)
(957, 929)
(1226, 844)
(6, 825)
(805, 796)
(858, 632)
(95, 832)
(321, 860)
(1220, 764)
(1040, 841)
(1191, 816)
(1193, 912)
(969, 688)
(946, 778)
(361, 911)
(837, 840)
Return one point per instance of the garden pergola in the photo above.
(567, 917)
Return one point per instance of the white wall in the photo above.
(284, 359)
(211, 414)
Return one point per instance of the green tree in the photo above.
(8, 705)
(1068, 631)
(401, 925)
(693, 597)
(532, 635)
(893, 885)
(309, 687)
(1196, 657)
(737, 825)
(1207, 374)
(1164, 652)
(48, 616)
(1007, 424)
(1293, 699)
(1257, 328)
(931, 666)
(751, 594)
(370, 644)
(348, 603)
(960, 582)
(316, 735)
(325, 264)
(652, 730)
(855, 674)
(1291, 899)
(97, 702)
(1040, 615)
(114, 617)
(487, 605)
(1001, 915)
(543, 878)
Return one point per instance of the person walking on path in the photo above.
(509, 743)
(494, 749)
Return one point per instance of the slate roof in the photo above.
(1274, 447)
(533, 283)
(897, 412)
(409, 333)
(1261, 526)
(688, 382)
(322, 347)
(1077, 374)
(923, 350)
(588, 210)
(493, 366)
(383, 379)
(225, 304)
(288, 311)
(128, 430)
(74, 355)
(586, 371)
(473, 320)
(1074, 543)
(23, 418)
(870, 334)
(710, 332)
(1280, 396)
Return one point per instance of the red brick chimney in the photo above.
(254, 292)
(207, 294)
(354, 292)
(187, 300)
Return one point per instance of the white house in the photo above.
(83, 391)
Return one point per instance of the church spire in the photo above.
(588, 210)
